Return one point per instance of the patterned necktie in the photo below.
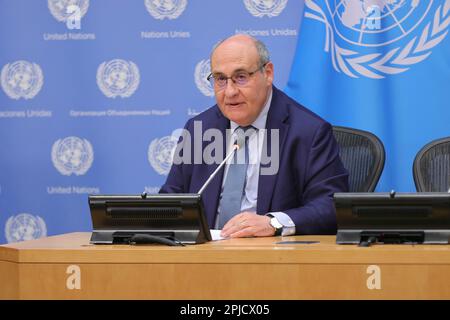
(233, 189)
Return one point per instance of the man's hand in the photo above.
(248, 224)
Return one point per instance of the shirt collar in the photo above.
(260, 121)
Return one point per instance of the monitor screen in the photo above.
(118, 218)
(393, 217)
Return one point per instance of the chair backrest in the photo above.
(363, 155)
(431, 169)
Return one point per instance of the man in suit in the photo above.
(297, 198)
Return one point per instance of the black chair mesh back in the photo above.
(431, 168)
(363, 155)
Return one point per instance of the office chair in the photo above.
(363, 155)
(431, 169)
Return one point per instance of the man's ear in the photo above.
(268, 70)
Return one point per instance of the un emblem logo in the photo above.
(61, 9)
(21, 79)
(374, 39)
(202, 71)
(161, 9)
(118, 78)
(160, 153)
(72, 155)
(23, 227)
(261, 8)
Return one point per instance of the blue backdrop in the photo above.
(90, 96)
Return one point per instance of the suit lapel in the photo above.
(212, 191)
(276, 119)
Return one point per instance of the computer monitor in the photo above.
(118, 219)
(365, 218)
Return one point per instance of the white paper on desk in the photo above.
(215, 235)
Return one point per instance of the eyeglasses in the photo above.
(240, 78)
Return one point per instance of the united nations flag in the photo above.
(378, 65)
(202, 70)
(23, 227)
(72, 155)
(59, 8)
(160, 153)
(161, 9)
(265, 8)
(21, 79)
(118, 78)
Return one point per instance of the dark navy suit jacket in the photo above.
(310, 169)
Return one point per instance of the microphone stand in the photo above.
(235, 147)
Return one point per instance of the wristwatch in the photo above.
(276, 225)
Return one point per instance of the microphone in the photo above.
(236, 146)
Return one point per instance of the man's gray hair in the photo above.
(263, 53)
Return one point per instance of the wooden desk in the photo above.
(67, 267)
